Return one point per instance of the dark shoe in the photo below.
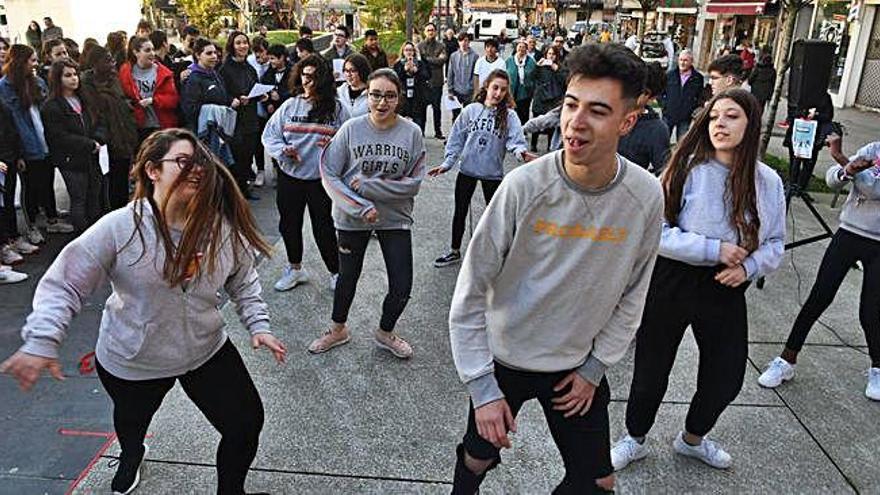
(250, 195)
(439, 135)
(450, 258)
(128, 474)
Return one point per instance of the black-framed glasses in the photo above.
(377, 97)
(308, 75)
(181, 161)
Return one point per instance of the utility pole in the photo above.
(409, 20)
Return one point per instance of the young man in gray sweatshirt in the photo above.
(460, 76)
(552, 287)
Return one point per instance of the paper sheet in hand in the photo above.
(259, 90)
(104, 159)
(451, 103)
(803, 137)
(338, 65)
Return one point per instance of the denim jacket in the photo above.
(31, 144)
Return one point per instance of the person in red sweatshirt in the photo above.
(150, 87)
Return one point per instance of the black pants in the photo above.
(432, 98)
(260, 153)
(583, 441)
(221, 388)
(244, 149)
(117, 180)
(844, 250)
(38, 189)
(522, 110)
(87, 199)
(292, 198)
(8, 219)
(536, 135)
(801, 169)
(682, 295)
(464, 191)
(465, 100)
(396, 250)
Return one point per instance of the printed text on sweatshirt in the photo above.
(555, 276)
(389, 166)
(479, 145)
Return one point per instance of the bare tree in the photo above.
(790, 9)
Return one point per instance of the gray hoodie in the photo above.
(148, 330)
(290, 126)
(389, 166)
(480, 145)
(861, 212)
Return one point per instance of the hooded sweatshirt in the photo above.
(290, 126)
(860, 213)
(148, 330)
(389, 164)
(481, 147)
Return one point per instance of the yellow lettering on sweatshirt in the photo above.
(614, 235)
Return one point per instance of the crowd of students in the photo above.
(353, 153)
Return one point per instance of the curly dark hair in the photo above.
(507, 103)
(597, 61)
(324, 98)
(655, 82)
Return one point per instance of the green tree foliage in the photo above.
(207, 15)
(391, 14)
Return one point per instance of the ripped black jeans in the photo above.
(396, 248)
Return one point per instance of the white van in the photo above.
(4, 26)
(484, 25)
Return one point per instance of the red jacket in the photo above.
(165, 97)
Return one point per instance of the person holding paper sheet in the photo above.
(460, 75)
(239, 77)
(73, 142)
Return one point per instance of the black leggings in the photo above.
(8, 218)
(292, 198)
(244, 150)
(464, 191)
(221, 388)
(396, 250)
(682, 295)
(844, 250)
(38, 190)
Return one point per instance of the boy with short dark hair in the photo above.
(375, 54)
(554, 228)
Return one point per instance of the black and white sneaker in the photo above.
(128, 474)
(450, 258)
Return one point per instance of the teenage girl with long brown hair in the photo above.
(724, 226)
(187, 234)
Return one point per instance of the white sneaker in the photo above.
(34, 236)
(779, 370)
(708, 452)
(290, 278)
(22, 246)
(334, 279)
(8, 256)
(59, 227)
(260, 179)
(627, 450)
(10, 276)
(873, 390)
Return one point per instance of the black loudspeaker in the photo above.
(810, 72)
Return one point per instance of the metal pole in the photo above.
(409, 20)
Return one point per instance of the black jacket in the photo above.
(10, 147)
(202, 87)
(762, 80)
(282, 87)
(71, 138)
(647, 145)
(415, 87)
(239, 78)
(549, 88)
(679, 102)
(379, 61)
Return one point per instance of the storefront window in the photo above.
(831, 26)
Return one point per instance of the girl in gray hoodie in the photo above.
(484, 132)
(187, 234)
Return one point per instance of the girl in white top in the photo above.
(353, 93)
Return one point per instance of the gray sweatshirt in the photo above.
(704, 220)
(555, 276)
(290, 126)
(148, 330)
(480, 145)
(860, 213)
(390, 166)
(460, 75)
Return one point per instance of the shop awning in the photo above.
(735, 7)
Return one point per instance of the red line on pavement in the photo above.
(110, 438)
(80, 433)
